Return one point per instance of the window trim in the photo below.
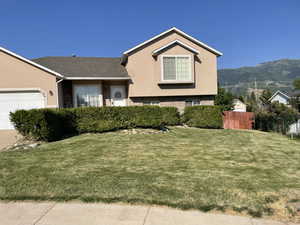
(176, 81)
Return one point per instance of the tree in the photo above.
(296, 84)
(295, 103)
(224, 99)
(241, 98)
(265, 96)
(252, 105)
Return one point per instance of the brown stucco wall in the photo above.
(17, 74)
(145, 70)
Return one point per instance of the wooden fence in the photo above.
(238, 120)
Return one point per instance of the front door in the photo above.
(118, 95)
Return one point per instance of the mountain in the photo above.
(274, 75)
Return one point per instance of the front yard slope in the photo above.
(240, 171)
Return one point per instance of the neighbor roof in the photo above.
(85, 67)
(174, 29)
(279, 93)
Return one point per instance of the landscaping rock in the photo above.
(34, 145)
(23, 144)
(295, 205)
(143, 131)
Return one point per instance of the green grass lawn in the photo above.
(244, 171)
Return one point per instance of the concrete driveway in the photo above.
(50, 213)
(8, 137)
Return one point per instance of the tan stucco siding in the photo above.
(17, 74)
(145, 70)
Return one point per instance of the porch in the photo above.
(78, 93)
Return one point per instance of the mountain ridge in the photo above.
(274, 75)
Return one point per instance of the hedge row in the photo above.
(54, 124)
(203, 116)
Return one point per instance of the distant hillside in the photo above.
(275, 75)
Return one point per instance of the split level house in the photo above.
(170, 69)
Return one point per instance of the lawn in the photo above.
(236, 171)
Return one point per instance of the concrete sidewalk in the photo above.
(50, 213)
(8, 137)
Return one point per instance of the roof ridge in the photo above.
(95, 57)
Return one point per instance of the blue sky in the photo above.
(247, 32)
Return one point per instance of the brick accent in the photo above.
(175, 101)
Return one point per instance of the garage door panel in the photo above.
(12, 101)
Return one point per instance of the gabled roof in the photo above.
(157, 51)
(30, 62)
(174, 29)
(279, 93)
(86, 67)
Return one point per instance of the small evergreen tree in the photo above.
(252, 105)
(224, 99)
(265, 97)
(296, 84)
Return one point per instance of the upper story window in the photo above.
(177, 68)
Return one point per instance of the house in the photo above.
(239, 106)
(280, 97)
(170, 69)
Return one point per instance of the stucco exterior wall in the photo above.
(145, 70)
(17, 74)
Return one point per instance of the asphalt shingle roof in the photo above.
(84, 66)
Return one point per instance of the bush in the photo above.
(203, 116)
(278, 117)
(94, 119)
(54, 124)
(42, 124)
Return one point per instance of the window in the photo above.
(176, 68)
(192, 102)
(151, 103)
(87, 95)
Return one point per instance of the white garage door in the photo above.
(12, 101)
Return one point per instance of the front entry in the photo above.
(118, 95)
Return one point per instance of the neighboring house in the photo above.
(239, 106)
(280, 97)
(296, 94)
(170, 69)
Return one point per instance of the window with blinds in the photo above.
(176, 68)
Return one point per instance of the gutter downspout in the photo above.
(57, 82)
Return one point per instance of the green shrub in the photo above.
(277, 117)
(54, 124)
(170, 116)
(43, 124)
(94, 119)
(203, 116)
